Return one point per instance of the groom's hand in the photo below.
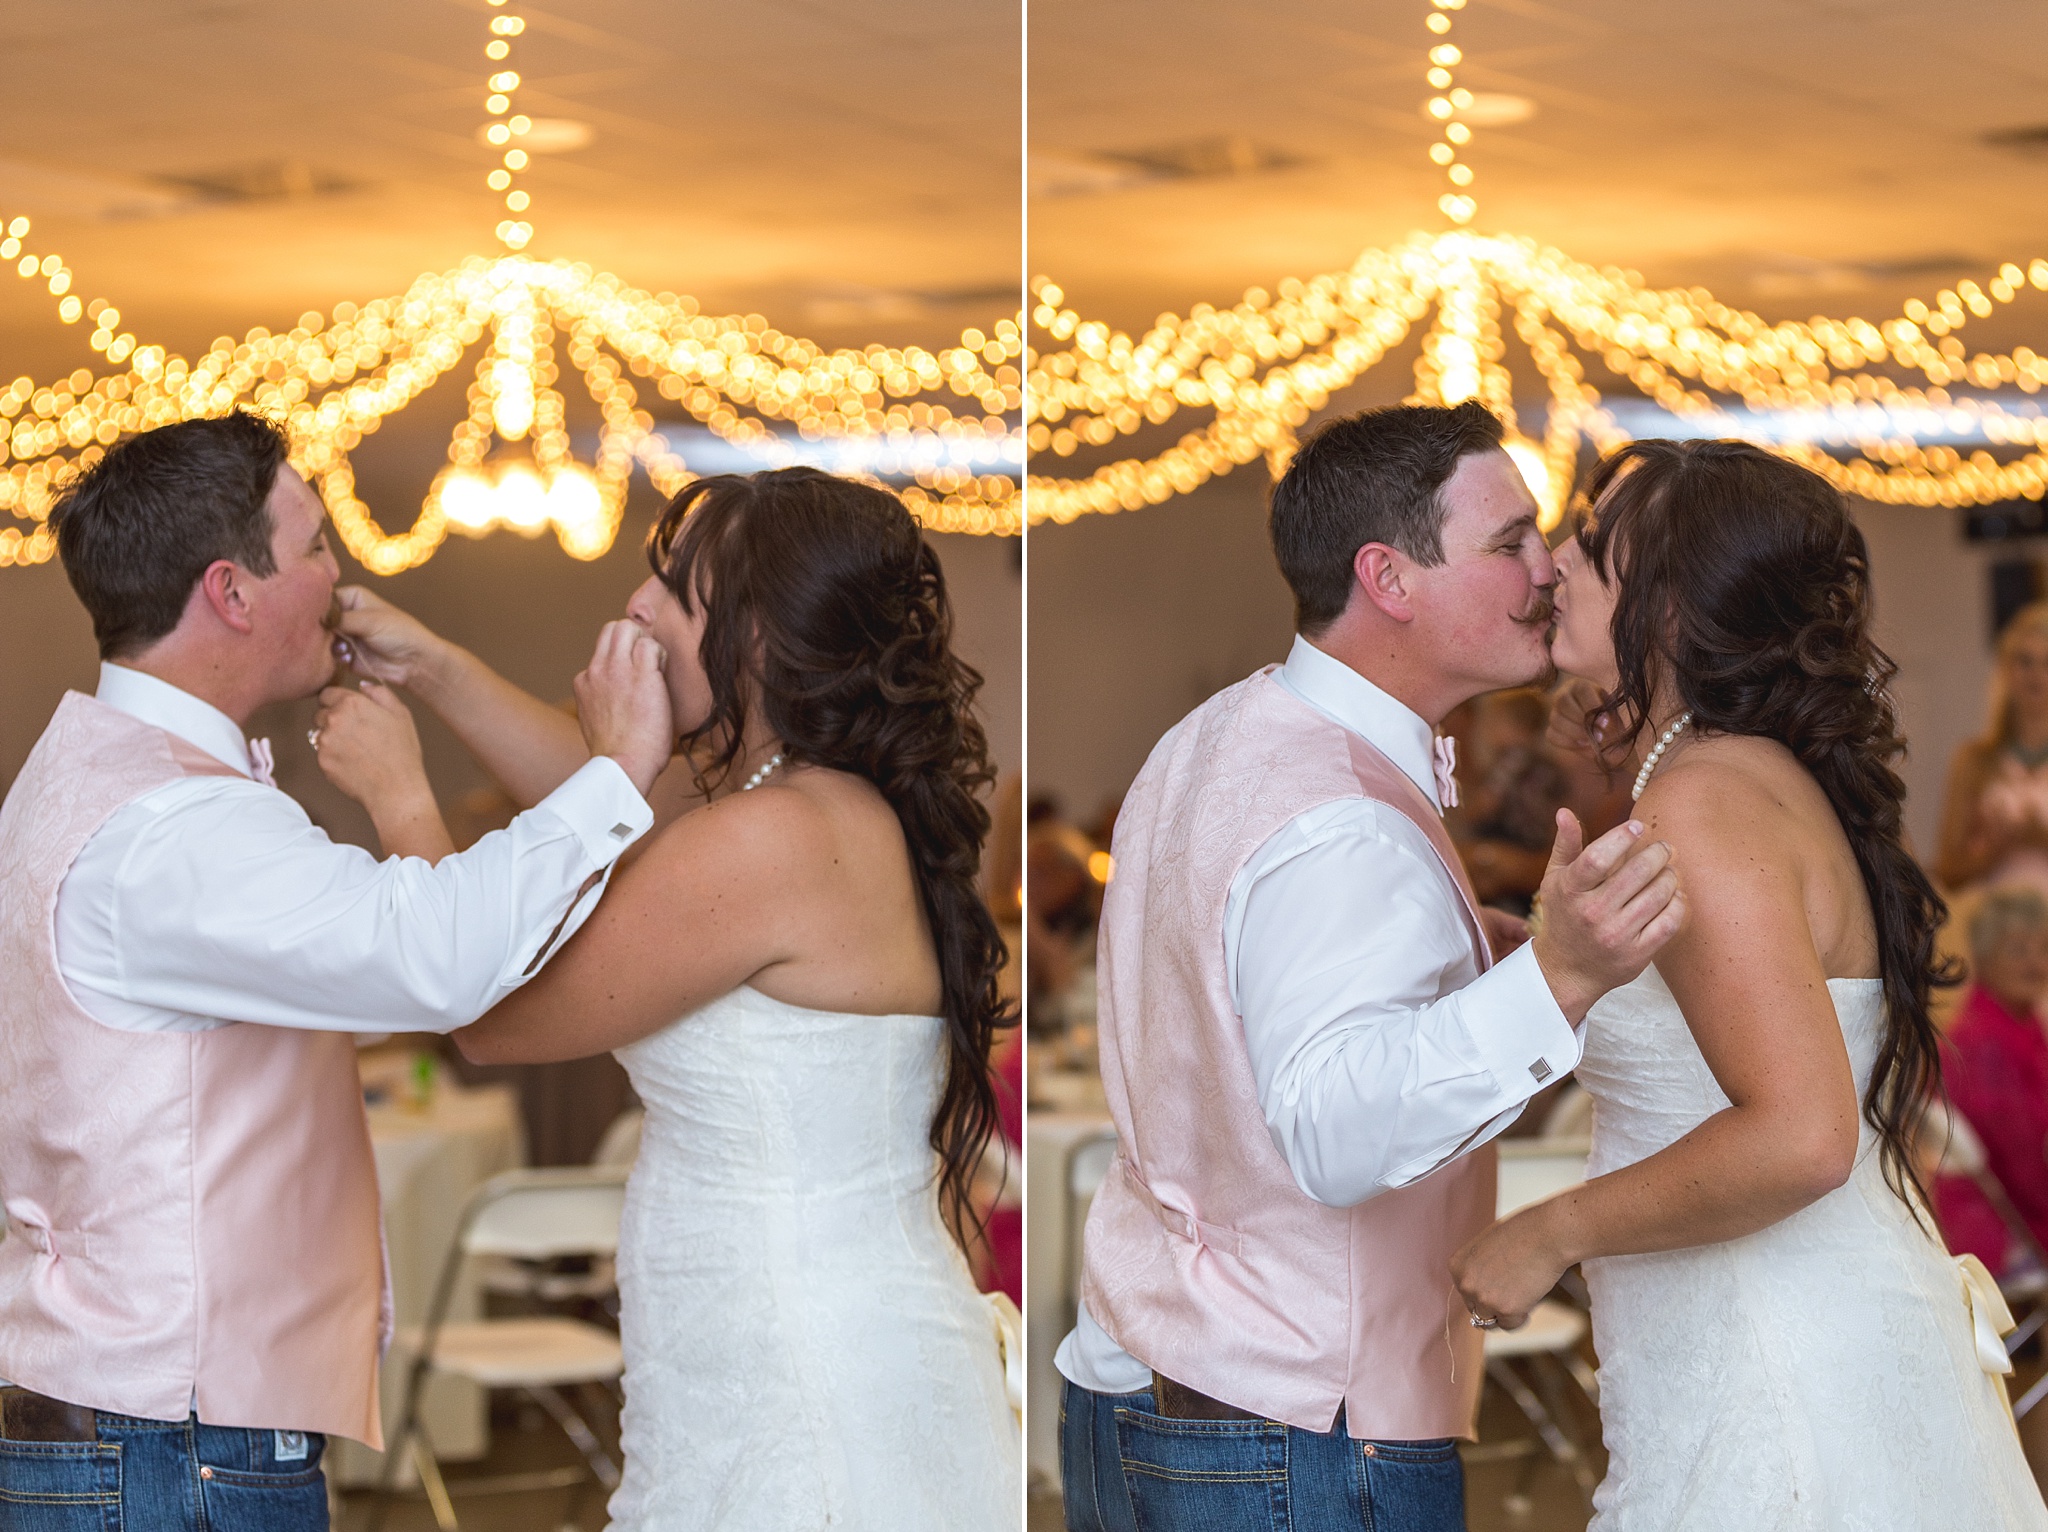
(622, 702)
(368, 747)
(1606, 910)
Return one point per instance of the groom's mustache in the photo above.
(1541, 610)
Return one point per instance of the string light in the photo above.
(936, 418)
(1266, 364)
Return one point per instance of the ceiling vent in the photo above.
(1198, 158)
(259, 181)
(2031, 141)
(1075, 173)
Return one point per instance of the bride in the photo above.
(1784, 1342)
(800, 976)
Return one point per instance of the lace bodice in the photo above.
(804, 1345)
(1821, 1373)
(1650, 1083)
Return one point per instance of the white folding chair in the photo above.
(525, 1215)
(621, 1142)
(546, 1282)
(1547, 1347)
(1570, 1114)
(1087, 1163)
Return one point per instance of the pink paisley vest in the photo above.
(1202, 1256)
(192, 1217)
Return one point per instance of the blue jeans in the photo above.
(165, 1476)
(1125, 1469)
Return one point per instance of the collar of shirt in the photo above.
(175, 711)
(1393, 728)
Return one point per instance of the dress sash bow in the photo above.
(1989, 1316)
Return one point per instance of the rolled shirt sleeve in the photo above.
(217, 900)
(1379, 1049)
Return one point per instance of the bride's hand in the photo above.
(380, 641)
(1509, 1269)
(622, 703)
(1577, 726)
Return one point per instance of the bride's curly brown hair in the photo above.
(1744, 580)
(826, 609)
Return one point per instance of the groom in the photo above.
(1304, 1032)
(191, 1287)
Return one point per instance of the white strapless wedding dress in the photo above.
(1822, 1373)
(804, 1345)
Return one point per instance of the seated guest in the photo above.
(1062, 902)
(1995, 1067)
(1994, 823)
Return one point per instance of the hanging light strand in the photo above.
(1449, 98)
(505, 127)
(1266, 364)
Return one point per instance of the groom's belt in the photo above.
(1176, 1401)
(26, 1416)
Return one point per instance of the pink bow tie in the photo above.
(260, 763)
(1446, 769)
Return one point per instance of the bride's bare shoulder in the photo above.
(1728, 794)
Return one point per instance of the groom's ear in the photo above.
(1382, 573)
(223, 586)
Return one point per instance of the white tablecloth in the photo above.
(428, 1162)
(1048, 1137)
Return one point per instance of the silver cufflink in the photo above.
(620, 832)
(1541, 1070)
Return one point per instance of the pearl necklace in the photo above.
(1657, 754)
(761, 776)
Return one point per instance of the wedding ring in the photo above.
(313, 739)
(1484, 1324)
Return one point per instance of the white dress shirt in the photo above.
(1380, 1050)
(213, 900)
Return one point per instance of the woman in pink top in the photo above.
(1995, 1066)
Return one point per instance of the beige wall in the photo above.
(1933, 601)
(1137, 617)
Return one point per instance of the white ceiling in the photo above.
(849, 170)
(1801, 156)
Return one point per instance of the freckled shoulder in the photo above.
(1730, 800)
(823, 819)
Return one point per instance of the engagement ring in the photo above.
(1484, 1324)
(313, 739)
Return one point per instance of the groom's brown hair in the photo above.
(1370, 478)
(137, 529)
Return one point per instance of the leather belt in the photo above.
(26, 1416)
(1176, 1401)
